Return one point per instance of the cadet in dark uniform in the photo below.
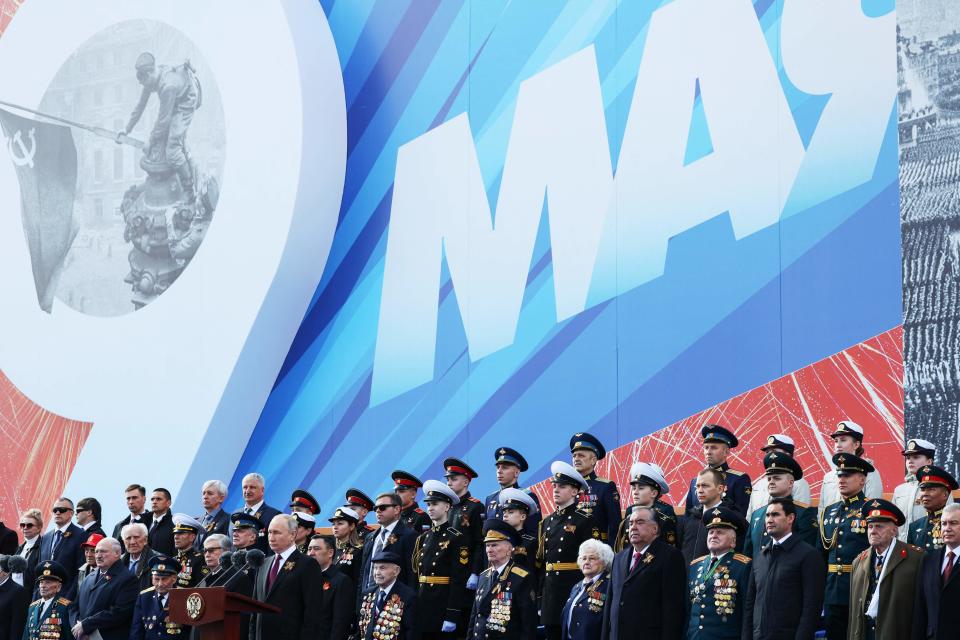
(405, 486)
(510, 464)
(306, 524)
(49, 617)
(782, 471)
(600, 499)
(362, 504)
(467, 517)
(561, 533)
(936, 484)
(192, 565)
(349, 550)
(441, 561)
(717, 443)
(647, 486)
(718, 583)
(302, 501)
(516, 506)
(843, 535)
(504, 605)
(150, 613)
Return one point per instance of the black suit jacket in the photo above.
(106, 605)
(160, 535)
(647, 602)
(144, 518)
(408, 619)
(8, 540)
(936, 612)
(400, 541)
(144, 579)
(68, 553)
(96, 528)
(14, 601)
(786, 594)
(337, 617)
(296, 591)
(33, 556)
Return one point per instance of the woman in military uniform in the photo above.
(49, 617)
(504, 605)
(647, 486)
(349, 552)
(441, 561)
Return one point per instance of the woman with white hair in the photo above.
(583, 612)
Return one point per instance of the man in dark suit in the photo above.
(136, 497)
(393, 536)
(786, 593)
(106, 596)
(88, 514)
(214, 519)
(138, 555)
(337, 617)
(253, 487)
(288, 580)
(14, 601)
(63, 545)
(937, 607)
(160, 531)
(388, 608)
(647, 585)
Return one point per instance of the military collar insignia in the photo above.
(716, 512)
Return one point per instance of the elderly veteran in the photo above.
(583, 612)
(504, 604)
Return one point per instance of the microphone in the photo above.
(239, 557)
(241, 560)
(255, 558)
(17, 564)
(226, 559)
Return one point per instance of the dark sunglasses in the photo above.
(61, 509)
(27, 525)
(384, 507)
(82, 510)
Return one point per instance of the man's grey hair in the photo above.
(217, 485)
(950, 508)
(137, 528)
(113, 543)
(602, 549)
(225, 543)
(290, 520)
(254, 476)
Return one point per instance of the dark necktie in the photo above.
(133, 566)
(381, 600)
(56, 543)
(878, 567)
(274, 570)
(947, 570)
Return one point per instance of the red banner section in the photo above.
(7, 9)
(38, 450)
(863, 383)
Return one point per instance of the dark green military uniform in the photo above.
(717, 592)
(925, 532)
(54, 622)
(441, 560)
(666, 518)
(805, 527)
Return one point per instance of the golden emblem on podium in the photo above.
(194, 605)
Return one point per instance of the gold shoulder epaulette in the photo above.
(36, 602)
(735, 472)
(523, 573)
(63, 601)
(148, 590)
(802, 505)
(696, 560)
(739, 557)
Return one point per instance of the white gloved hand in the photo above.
(472, 581)
(448, 627)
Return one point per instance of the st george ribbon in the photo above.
(46, 162)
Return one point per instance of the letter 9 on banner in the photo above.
(148, 214)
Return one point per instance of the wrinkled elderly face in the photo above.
(244, 537)
(950, 527)
(498, 552)
(584, 461)
(385, 573)
(721, 539)
(211, 554)
(881, 534)
(279, 536)
(252, 490)
(49, 587)
(934, 497)
(183, 540)
(590, 563)
(162, 583)
(134, 541)
(211, 498)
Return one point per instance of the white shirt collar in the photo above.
(87, 526)
(28, 544)
(388, 528)
(644, 550)
(64, 528)
(254, 508)
(387, 588)
(783, 539)
(286, 554)
(501, 567)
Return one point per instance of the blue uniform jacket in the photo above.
(493, 510)
(738, 491)
(150, 618)
(583, 612)
(602, 503)
(716, 598)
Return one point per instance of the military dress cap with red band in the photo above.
(880, 510)
(405, 480)
(506, 455)
(457, 467)
(301, 498)
(848, 428)
(359, 498)
(921, 447)
(933, 476)
(92, 541)
(848, 463)
(589, 442)
(778, 462)
(779, 441)
(718, 433)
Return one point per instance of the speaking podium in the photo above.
(214, 610)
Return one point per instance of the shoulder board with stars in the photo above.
(739, 557)
(523, 573)
(63, 601)
(147, 590)
(36, 602)
(697, 560)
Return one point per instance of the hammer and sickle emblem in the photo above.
(26, 155)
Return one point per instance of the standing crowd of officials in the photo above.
(744, 561)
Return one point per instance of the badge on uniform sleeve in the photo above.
(464, 555)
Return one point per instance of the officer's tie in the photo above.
(58, 536)
(947, 570)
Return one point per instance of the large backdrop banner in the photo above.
(390, 232)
